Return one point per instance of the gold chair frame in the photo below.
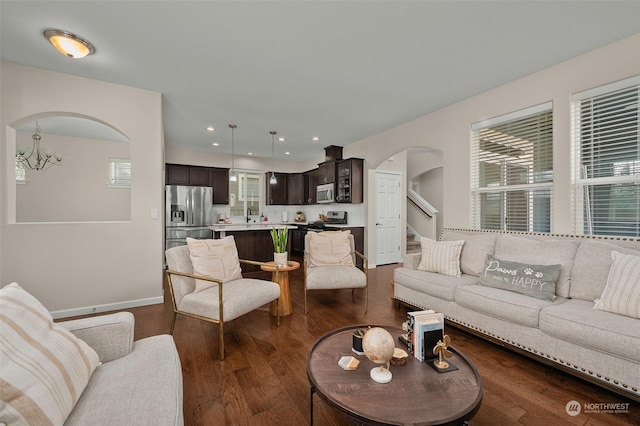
(219, 321)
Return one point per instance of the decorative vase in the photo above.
(280, 258)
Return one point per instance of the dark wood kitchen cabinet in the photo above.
(295, 189)
(253, 245)
(215, 177)
(180, 174)
(349, 186)
(276, 193)
(296, 237)
(219, 179)
(310, 186)
(327, 172)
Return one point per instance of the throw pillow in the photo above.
(474, 251)
(442, 257)
(216, 259)
(330, 248)
(43, 367)
(532, 280)
(622, 293)
(540, 252)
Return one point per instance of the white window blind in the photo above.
(119, 173)
(512, 171)
(606, 159)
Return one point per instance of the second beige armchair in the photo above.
(330, 263)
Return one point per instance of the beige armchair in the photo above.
(216, 300)
(330, 263)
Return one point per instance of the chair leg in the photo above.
(366, 299)
(221, 331)
(305, 300)
(173, 323)
(278, 310)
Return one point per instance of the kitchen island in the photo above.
(253, 240)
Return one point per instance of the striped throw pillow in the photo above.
(43, 367)
(330, 248)
(442, 257)
(622, 292)
(215, 259)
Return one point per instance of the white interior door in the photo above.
(388, 226)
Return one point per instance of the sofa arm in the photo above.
(111, 336)
(412, 260)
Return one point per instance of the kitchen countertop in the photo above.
(257, 226)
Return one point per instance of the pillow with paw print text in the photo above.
(531, 280)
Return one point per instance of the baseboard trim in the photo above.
(106, 307)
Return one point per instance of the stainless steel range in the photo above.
(332, 218)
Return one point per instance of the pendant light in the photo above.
(272, 179)
(232, 172)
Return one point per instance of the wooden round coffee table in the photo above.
(417, 394)
(282, 278)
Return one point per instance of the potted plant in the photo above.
(279, 237)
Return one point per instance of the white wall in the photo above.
(75, 265)
(448, 129)
(431, 185)
(76, 190)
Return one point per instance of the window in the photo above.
(119, 173)
(606, 159)
(512, 171)
(244, 194)
(21, 172)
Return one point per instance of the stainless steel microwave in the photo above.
(324, 193)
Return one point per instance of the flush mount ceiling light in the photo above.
(70, 45)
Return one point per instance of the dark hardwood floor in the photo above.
(263, 380)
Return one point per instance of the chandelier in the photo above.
(38, 159)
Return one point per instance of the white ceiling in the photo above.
(341, 71)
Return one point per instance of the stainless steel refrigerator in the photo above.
(188, 214)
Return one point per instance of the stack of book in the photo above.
(424, 330)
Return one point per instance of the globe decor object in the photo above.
(378, 345)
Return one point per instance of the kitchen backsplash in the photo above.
(355, 212)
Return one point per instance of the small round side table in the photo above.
(282, 278)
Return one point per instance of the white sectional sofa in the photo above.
(566, 332)
(139, 382)
(87, 371)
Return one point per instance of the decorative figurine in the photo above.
(441, 349)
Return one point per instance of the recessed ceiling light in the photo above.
(70, 45)
(287, 153)
(315, 138)
(249, 153)
(215, 144)
(281, 139)
(211, 129)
